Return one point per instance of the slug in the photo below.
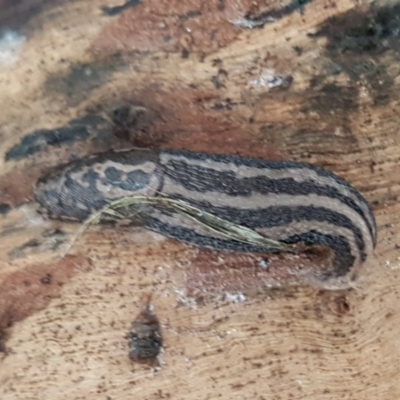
(286, 201)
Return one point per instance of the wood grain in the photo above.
(319, 84)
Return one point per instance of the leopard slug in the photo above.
(287, 201)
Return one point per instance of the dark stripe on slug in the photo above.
(264, 218)
(272, 165)
(273, 217)
(189, 236)
(343, 260)
(199, 179)
(258, 163)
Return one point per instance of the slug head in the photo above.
(80, 188)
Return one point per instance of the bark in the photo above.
(309, 81)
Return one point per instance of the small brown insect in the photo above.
(145, 339)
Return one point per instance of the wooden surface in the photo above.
(320, 84)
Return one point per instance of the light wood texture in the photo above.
(208, 85)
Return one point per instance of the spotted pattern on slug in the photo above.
(286, 201)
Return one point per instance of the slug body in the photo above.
(286, 201)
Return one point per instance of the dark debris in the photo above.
(145, 341)
(4, 208)
(112, 11)
(257, 18)
(77, 130)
